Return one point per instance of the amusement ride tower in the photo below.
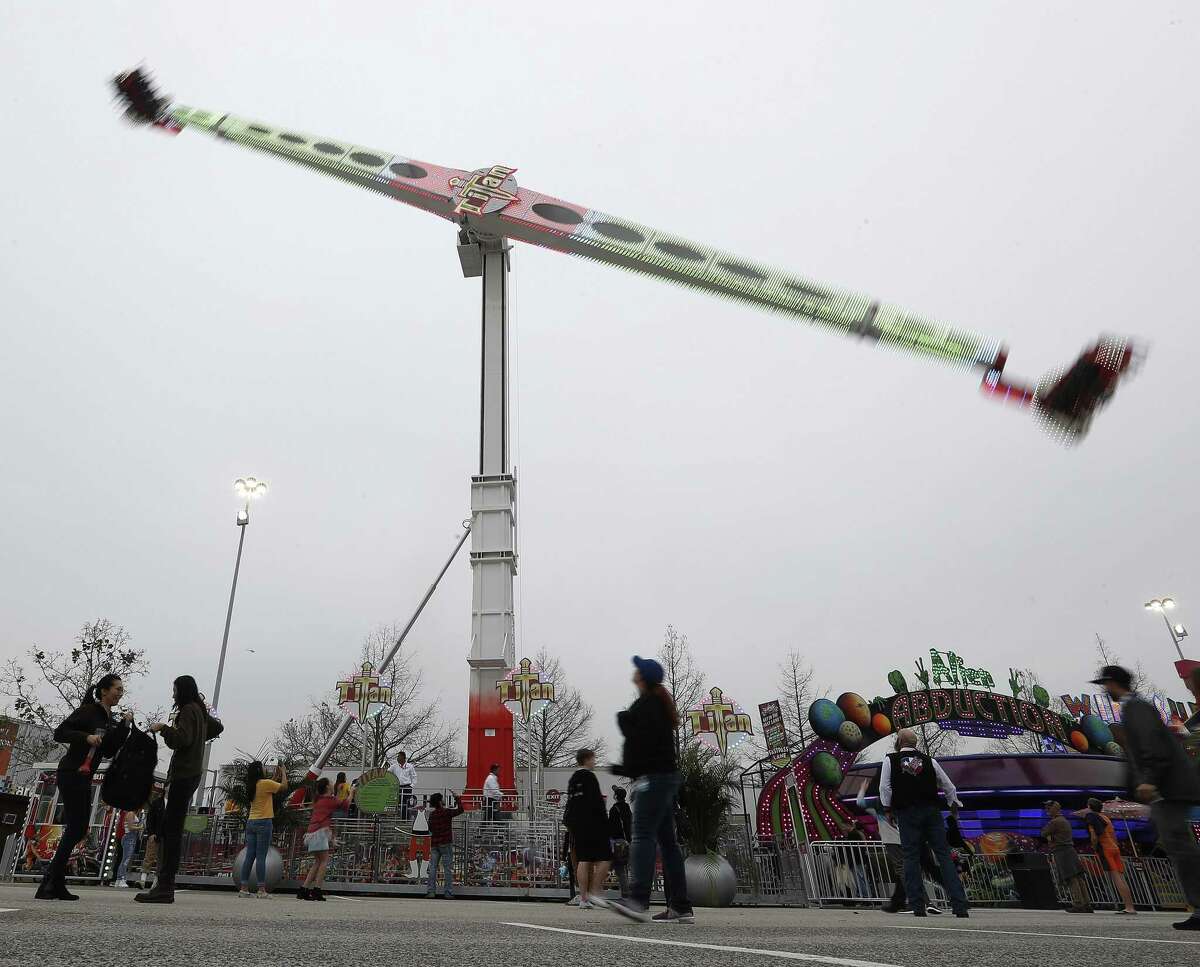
(488, 209)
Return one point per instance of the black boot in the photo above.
(45, 890)
(163, 891)
(304, 893)
(316, 894)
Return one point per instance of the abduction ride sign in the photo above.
(969, 704)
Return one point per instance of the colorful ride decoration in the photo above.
(799, 801)
(361, 696)
(801, 797)
(720, 722)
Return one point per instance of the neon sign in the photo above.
(361, 696)
(523, 692)
(720, 719)
(969, 705)
(947, 668)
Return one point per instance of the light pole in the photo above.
(1178, 631)
(247, 489)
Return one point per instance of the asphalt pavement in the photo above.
(216, 928)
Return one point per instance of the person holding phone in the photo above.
(260, 823)
(91, 733)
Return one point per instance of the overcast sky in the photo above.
(178, 312)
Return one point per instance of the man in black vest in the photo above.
(908, 789)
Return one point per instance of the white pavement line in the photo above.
(1068, 936)
(8, 909)
(782, 954)
(352, 899)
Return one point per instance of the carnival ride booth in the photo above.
(98, 854)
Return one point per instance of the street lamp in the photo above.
(247, 489)
(1178, 632)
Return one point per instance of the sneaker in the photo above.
(674, 916)
(630, 909)
(598, 903)
(933, 911)
(574, 901)
(585, 904)
(1191, 923)
(262, 895)
(121, 885)
(243, 894)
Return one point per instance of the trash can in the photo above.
(1033, 881)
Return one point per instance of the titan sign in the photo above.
(965, 704)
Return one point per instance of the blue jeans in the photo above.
(922, 826)
(445, 856)
(258, 843)
(129, 844)
(653, 830)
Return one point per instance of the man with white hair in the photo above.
(909, 781)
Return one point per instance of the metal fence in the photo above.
(860, 874)
(508, 856)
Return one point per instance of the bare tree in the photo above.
(409, 723)
(681, 676)
(796, 692)
(53, 683)
(552, 738)
(1142, 682)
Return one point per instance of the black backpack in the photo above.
(130, 776)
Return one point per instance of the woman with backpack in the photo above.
(260, 823)
(191, 726)
(91, 734)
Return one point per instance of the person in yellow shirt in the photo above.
(342, 789)
(260, 823)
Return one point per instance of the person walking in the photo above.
(129, 844)
(909, 781)
(889, 835)
(587, 820)
(441, 846)
(406, 774)
(620, 831)
(153, 822)
(319, 840)
(260, 823)
(1162, 775)
(1108, 851)
(91, 734)
(1057, 833)
(649, 759)
(492, 794)
(185, 737)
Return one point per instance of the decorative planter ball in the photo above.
(825, 718)
(1114, 749)
(826, 770)
(880, 724)
(855, 708)
(1080, 741)
(274, 870)
(850, 735)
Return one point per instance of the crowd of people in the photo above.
(626, 838)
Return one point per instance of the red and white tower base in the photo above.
(493, 525)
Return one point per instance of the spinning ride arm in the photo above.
(488, 202)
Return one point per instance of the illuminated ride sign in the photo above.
(968, 706)
(720, 722)
(361, 696)
(947, 668)
(523, 692)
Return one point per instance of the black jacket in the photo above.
(649, 738)
(620, 821)
(1155, 755)
(89, 719)
(585, 803)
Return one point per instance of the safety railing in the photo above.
(860, 874)
(768, 872)
(509, 854)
